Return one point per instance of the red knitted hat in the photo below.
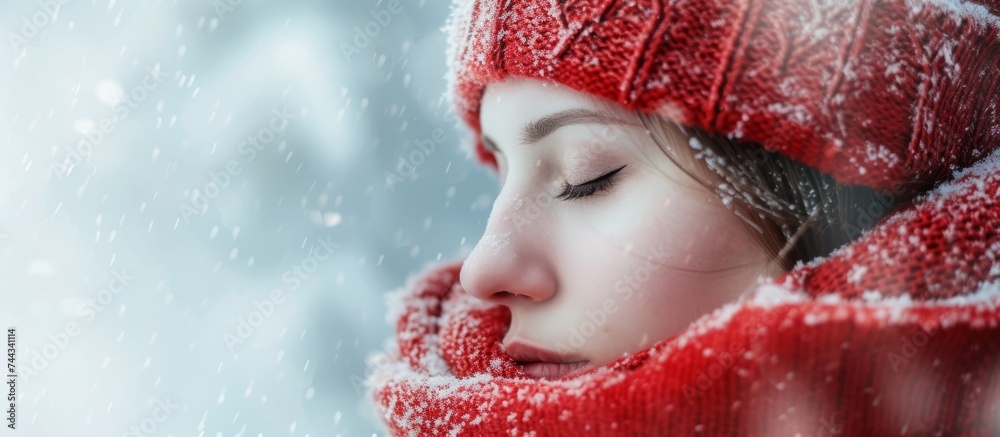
(897, 333)
(874, 93)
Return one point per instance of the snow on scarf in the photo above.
(897, 333)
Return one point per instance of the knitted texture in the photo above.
(896, 344)
(895, 333)
(879, 93)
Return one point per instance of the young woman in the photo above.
(679, 245)
(598, 210)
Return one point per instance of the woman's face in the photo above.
(597, 242)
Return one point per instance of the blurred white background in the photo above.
(167, 165)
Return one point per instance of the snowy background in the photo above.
(167, 165)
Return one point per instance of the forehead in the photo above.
(507, 106)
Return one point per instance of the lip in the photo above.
(543, 370)
(543, 363)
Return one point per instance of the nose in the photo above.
(511, 262)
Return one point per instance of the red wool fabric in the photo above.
(897, 333)
(872, 92)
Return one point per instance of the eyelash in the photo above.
(571, 192)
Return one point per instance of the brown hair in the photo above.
(795, 212)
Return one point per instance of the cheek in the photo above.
(697, 232)
(648, 263)
(676, 226)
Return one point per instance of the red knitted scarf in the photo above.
(897, 333)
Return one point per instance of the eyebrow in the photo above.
(534, 131)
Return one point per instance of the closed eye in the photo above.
(571, 192)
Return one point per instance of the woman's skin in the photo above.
(591, 278)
